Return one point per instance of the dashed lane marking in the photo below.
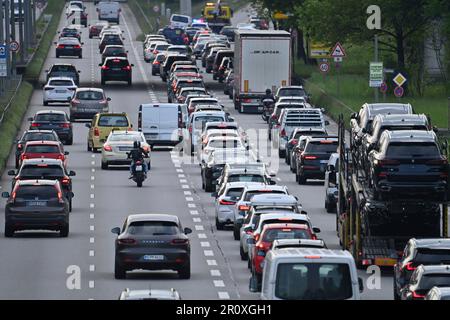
(223, 295)
(189, 199)
(192, 205)
(201, 236)
(211, 262)
(219, 283)
(199, 228)
(205, 244)
(215, 273)
(194, 212)
(208, 253)
(197, 220)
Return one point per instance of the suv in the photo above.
(114, 51)
(291, 91)
(419, 252)
(312, 162)
(110, 39)
(276, 113)
(423, 279)
(36, 205)
(248, 172)
(116, 69)
(33, 135)
(167, 64)
(63, 70)
(225, 202)
(175, 35)
(55, 120)
(408, 163)
(222, 54)
(294, 140)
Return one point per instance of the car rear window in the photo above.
(113, 121)
(432, 256)
(50, 117)
(63, 69)
(292, 92)
(117, 63)
(412, 150)
(428, 281)
(125, 137)
(180, 19)
(250, 194)
(89, 95)
(319, 147)
(43, 171)
(29, 136)
(246, 178)
(42, 149)
(286, 233)
(36, 193)
(154, 228)
(235, 192)
(298, 134)
(198, 121)
(61, 83)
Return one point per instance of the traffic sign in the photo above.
(324, 67)
(338, 51)
(383, 87)
(375, 74)
(399, 79)
(318, 50)
(156, 8)
(399, 91)
(14, 46)
(337, 59)
(3, 61)
(3, 52)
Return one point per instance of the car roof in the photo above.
(240, 184)
(224, 138)
(50, 111)
(311, 252)
(306, 129)
(385, 108)
(116, 58)
(284, 225)
(279, 244)
(43, 142)
(208, 113)
(60, 78)
(193, 88)
(281, 214)
(62, 64)
(331, 138)
(401, 119)
(39, 131)
(37, 161)
(130, 132)
(42, 182)
(115, 46)
(90, 89)
(273, 199)
(431, 269)
(263, 186)
(153, 217)
(436, 243)
(152, 293)
(410, 136)
(291, 87)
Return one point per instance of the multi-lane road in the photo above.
(40, 265)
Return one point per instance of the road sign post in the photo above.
(338, 53)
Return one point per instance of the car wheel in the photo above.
(396, 295)
(70, 205)
(89, 149)
(219, 226)
(80, 56)
(236, 234)
(90, 37)
(103, 81)
(9, 232)
(185, 272)
(69, 141)
(104, 165)
(287, 159)
(208, 187)
(45, 103)
(153, 73)
(244, 256)
(64, 231)
(119, 271)
(57, 55)
(281, 153)
(17, 163)
(249, 264)
(214, 77)
(301, 179)
(129, 82)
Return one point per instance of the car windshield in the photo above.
(50, 117)
(198, 122)
(286, 233)
(41, 171)
(429, 281)
(412, 150)
(36, 193)
(432, 256)
(125, 137)
(89, 95)
(313, 281)
(292, 93)
(61, 83)
(39, 137)
(250, 194)
(153, 228)
(113, 121)
(42, 149)
(246, 178)
(318, 147)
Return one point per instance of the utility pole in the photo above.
(12, 25)
(21, 32)
(27, 24)
(8, 36)
(376, 60)
(2, 41)
(33, 22)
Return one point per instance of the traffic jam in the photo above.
(383, 175)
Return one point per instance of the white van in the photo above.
(109, 11)
(180, 21)
(309, 274)
(162, 123)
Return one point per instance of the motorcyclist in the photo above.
(268, 95)
(136, 154)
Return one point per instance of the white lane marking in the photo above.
(183, 181)
(197, 220)
(199, 227)
(185, 186)
(92, 178)
(201, 236)
(92, 205)
(92, 228)
(91, 240)
(194, 212)
(215, 273)
(205, 244)
(93, 155)
(92, 216)
(224, 295)
(181, 176)
(211, 262)
(189, 199)
(187, 193)
(91, 284)
(278, 179)
(91, 253)
(192, 205)
(92, 196)
(219, 283)
(92, 186)
(93, 170)
(93, 163)
(92, 268)
(179, 170)
(177, 165)
(208, 253)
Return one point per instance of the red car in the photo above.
(272, 232)
(44, 149)
(95, 29)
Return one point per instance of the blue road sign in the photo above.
(3, 51)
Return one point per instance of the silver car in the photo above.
(87, 102)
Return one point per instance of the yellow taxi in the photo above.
(102, 125)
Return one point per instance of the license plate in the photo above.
(69, 47)
(153, 257)
(388, 262)
(115, 69)
(60, 91)
(138, 168)
(36, 203)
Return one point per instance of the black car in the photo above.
(70, 33)
(312, 162)
(63, 70)
(114, 51)
(224, 69)
(49, 169)
(408, 164)
(167, 64)
(33, 135)
(295, 136)
(36, 205)
(116, 69)
(70, 47)
(152, 242)
(222, 54)
(175, 35)
(229, 32)
(110, 39)
(419, 252)
(53, 120)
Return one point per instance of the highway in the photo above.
(34, 265)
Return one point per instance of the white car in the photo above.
(111, 29)
(221, 142)
(155, 47)
(118, 144)
(59, 89)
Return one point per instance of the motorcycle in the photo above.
(268, 106)
(138, 173)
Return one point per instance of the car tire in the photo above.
(139, 184)
(130, 82)
(90, 37)
(249, 264)
(119, 271)
(17, 163)
(214, 77)
(153, 73)
(9, 232)
(103, 81)
(70, 205)
(244, 256)
(69, 142)
(287, 159)
(301, 179)
(236, 234)
(80, 56)
(57, 55)
(185, 272)
(64, 231)
(104, 165)
(45, 103)
(89, 149)
(219, 226)
(396, 295)
(281, 153)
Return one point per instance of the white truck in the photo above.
(262, 60)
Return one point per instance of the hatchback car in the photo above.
(110, 39)
(65, 70)
(53, 120)
(87, 102)
(69, 47)
(152, 242)
(156, 64)
(114, 51)
(423, 279)
(116, 69)
(44, 149)
(60, 90)
(96, 27)
(33, 135)
(36, 205)
(102, 125)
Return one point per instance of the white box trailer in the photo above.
(262, 60)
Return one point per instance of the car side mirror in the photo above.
(116, 230)
(108, 99)
(435, 129)
(316, 229)
(72, 173)
(79, 71)
(231, 119)
(354, 115)
(88, 125)
(11, 173)
(132, 65)
(5, 195)
(272, 182)
(187, 230)
(66, 153)
(303, 212)
(360, 284)
(54, 42)
(82, 42)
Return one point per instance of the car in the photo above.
(59, 89)
(423, 279)
(114, 51)
(46, 168)
(180, 83)
(152, 242)
(203, 100)
(116, 69)
(426, 251)
(150, 294)
(207, 49)
(55, 120)
(229, 32)
(97, 27)
(175, 35)
(184, 92)
(260, 23)
(311, 163)
(217, 62)
(220, 142)
(156, 64)
(294, 138)
(44, 149)
(228, 87)
(101, 126)
(191, 31)
(244, 172)
(408, 164)
(291, 91)
(187, 68)
(36, 205)
(180, 21)
(32, 135)
(214, 133)
(117, 146)
(112, 29)
(65, 70)
(77, 13)
(69, 47)
(224, 68)
(70, 32)
(109, 11)
(225, 200)
(167, 64)
(245, 25)
(182, 49)
(208, 107)
(210, 58)
(87, 102)
(110, 39)
(153, 50)
(331, 183)
(438, 293)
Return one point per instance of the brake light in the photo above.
(60, 46)
(416, 295)
(387, 162)
(13, 196)
(60, 198)
(19, 146)
(437, 162)
(409, 266)
(244, 208)
(107, 148)
(274, 117)
(309, 157)
(77, 46)
(256, 237)
(155, 51)
(326, 141)
(312, 257)
(105, 68)
(190, 129)
(48, 88)
(65, 180)
(180, 241)
(127, 68)
(127, 241)
(61, 157)
(64, 125)
(249, 232)
(226, 203)
(96, 132)
(156, 62)
(23, 157)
